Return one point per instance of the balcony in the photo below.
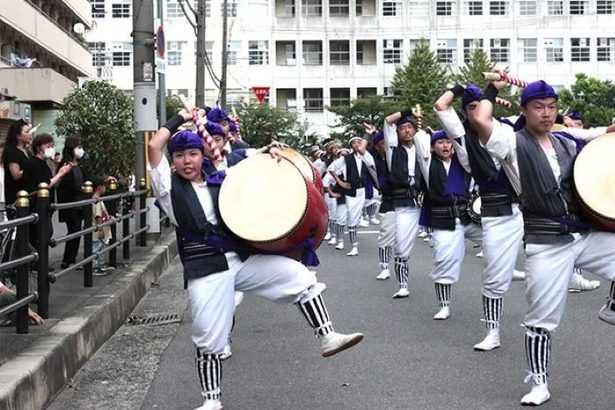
(81, 9)
(36, 85)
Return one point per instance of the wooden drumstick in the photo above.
(198, 122)
(503, 76)
(417, 111)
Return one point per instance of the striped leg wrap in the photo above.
(443, 293)
(492, 308)
(401, 271)
(332, 228)
(372, 210)
(611, 298)
(538, 353)
(352, 232)
(209, 368)
(339, 232)
(384, 256)
(315, 312)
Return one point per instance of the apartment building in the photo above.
(315, 53)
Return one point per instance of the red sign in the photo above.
(261, 93)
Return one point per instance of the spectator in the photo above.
(102, 236)
(18, 138)
(7, 296)
(69, 190)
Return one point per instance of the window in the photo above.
(366, 52)
(120, 10)
(528, 49)
(97, 49)
(231, 8)
(391, 51)
(470, 45)
(391, 8)
(606, 49)
(527, 8)
(312, 8)
(209, 50)
(555, 8)
(475, 8)
(554, 49)
(498, 8)
(312, 52)
(413, 43)
(339, 96)
(579, 7)
(232, 51)
(446, 51)
(445, 8)
(285, 53)
(120, 58)
(499, 50)
(579, 49)
(98, 9)
(258, 52)
(174, 10)
(174, 52)
(358, 8)
(605, 6)
(288, 10)
(364, 92)
(312, 98)
(339, 8)
(339, 52)
(178, 91)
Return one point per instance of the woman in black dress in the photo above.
(14, 157)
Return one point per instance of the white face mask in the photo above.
(49, 152)
(78, 152)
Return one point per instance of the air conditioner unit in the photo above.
(603, 41)
(496, 42)
(15, 110)
(388, 44)
(441, 43)
(291, 104)
(291, 61)
(549, 43)
(582, 41)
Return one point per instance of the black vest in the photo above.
(382, 171)
(397, 188)
(353, 176)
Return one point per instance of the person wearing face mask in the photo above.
(15, 155)
(37, 171)
(69, 190)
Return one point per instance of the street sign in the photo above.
(160, 42)
(261, 93)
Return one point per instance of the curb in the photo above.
(30, 379)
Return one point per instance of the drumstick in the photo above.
(504, 103)
(418, 114)
(198, 122)
(503, 76)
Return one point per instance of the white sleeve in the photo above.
(451, 123)
(502, 145)
(368, 160)
(390, 141)
(338, 166)
(160, 178)
(422, 142)
(586, 134)
(328, 180)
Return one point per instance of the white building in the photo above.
(314, 53)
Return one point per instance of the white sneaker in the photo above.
(607, 315)
(327, 236)
(538, 395)
(579, 284)
(401, 293)
(336, 342)
(479, 254)
(374, 221)
(211, 405)
(353, 252)
(426, 239)
(385, 274)
(226, 353)
(423, 234)
(364, 223)
(443, 314)
(340, 245)
(332, 241)
(518, 275)
(492, 341)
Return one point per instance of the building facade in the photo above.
(315, 53)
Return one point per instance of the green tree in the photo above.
(101, 114)
(421, 81)
(593, 98)
(174, 104)
(370, 110)
(262, 123)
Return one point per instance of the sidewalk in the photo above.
(35, 366)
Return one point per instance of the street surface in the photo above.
(406, 361)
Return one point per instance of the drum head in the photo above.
(594, 176)
(300, 161)
(262, 200)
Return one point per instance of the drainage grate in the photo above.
(158, 319)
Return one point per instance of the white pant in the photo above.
(212, 300)
(406, 230)
(350, 213)
(548, 269)
(331, 207)
(502, 238)
(449, 248)
(386, 236)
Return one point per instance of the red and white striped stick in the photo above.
(503, 76)
(198, 122)
(504, 103)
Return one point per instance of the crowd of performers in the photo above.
(412, 183)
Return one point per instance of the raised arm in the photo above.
(155, 147)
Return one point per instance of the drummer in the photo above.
(538, 164)
(212, 274)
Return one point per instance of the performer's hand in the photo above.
(610, 128)
(344, 184)
(369, 128)
(335, 195)
(276, 153)
(499, 84)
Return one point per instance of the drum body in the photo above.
(594, 181)
(474, 208)
(305, 166)
(272, 206)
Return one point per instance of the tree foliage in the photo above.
(593, 98)
(350, 118)
(101, 114)
(421, 81)
(174, 104)
(262, 123)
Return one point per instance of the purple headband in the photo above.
(377, 137)
(406, 120)
(537, 90)
(438, 135)
(184, 140)
(214, 129)
(232, 126)
(471, 94)
(217, 115)
(574, 115)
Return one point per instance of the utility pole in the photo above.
(144, 84)
(224, 53)
(162, 98)
(200, 54)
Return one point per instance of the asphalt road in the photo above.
(406, 361)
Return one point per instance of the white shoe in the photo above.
(353, 252)
(401, 293)
(374, 221)
(332, 241)
(426, 239)
(579, 284)
(327, 236)
(479, 254)
(492, 341)
(385, 274)
(336, 342)
(443, 314)
(518, 275)
(607, 315)
(211, 405)
(226, 353)
(340, 245)
(364, 223)
(538, 395)
(423, 234)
